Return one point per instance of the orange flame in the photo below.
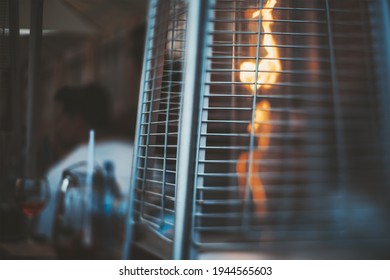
(270, 65)
(268, 72)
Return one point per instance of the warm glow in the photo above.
(261, 125)
(270, 66)
(268, 72)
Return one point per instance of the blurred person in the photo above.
(77, 111)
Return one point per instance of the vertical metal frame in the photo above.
(202, 128)
(385, 10)
(33, 87)
(152, 154)
(193, 71)
(154, 106)
(131, 199)
(15, 64)
(337, 107)
(381, 25)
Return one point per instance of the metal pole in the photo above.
(193, 77)
(382, 14)
(33, 89)
(343, 180)
(15, 71)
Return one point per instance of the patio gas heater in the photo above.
(263, 130)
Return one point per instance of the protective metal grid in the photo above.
(321, 162)
(161, 106)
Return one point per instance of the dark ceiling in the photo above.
(85, 16)
(68, 23)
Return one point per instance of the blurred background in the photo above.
(83, 42)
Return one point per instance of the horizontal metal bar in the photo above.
(157, 169)
(280, 235)
(288, 21)
(157, 222)
(309, 145)
(306, 47)
(227, 60)
(165, 221)
(270, 175)
(157, 134)
(154, 206)
(338, 245)
(318, 97)
(233, 32)
(156, 158)
(280, 84)
(242, 45)
(315, 123)
(285, 162)
(309, 135)
(155, 181)
(285, 33)
(171, 123)
(317, 134)
(320, 188)
(288, 9)
(272, 189)
(304, 111)
(159, 88)
(286, 71)
(157, 146)
(273, 203)
(205, 217)
(165, 100)
(165, 74)
(283, 173)
(156, 194)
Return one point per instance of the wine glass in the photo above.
(31, 195)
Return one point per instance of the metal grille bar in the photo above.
(158, 130)
(316, 146)
(5, 102)
(290, 148)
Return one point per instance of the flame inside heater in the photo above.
(270, 65)
(268, 68)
